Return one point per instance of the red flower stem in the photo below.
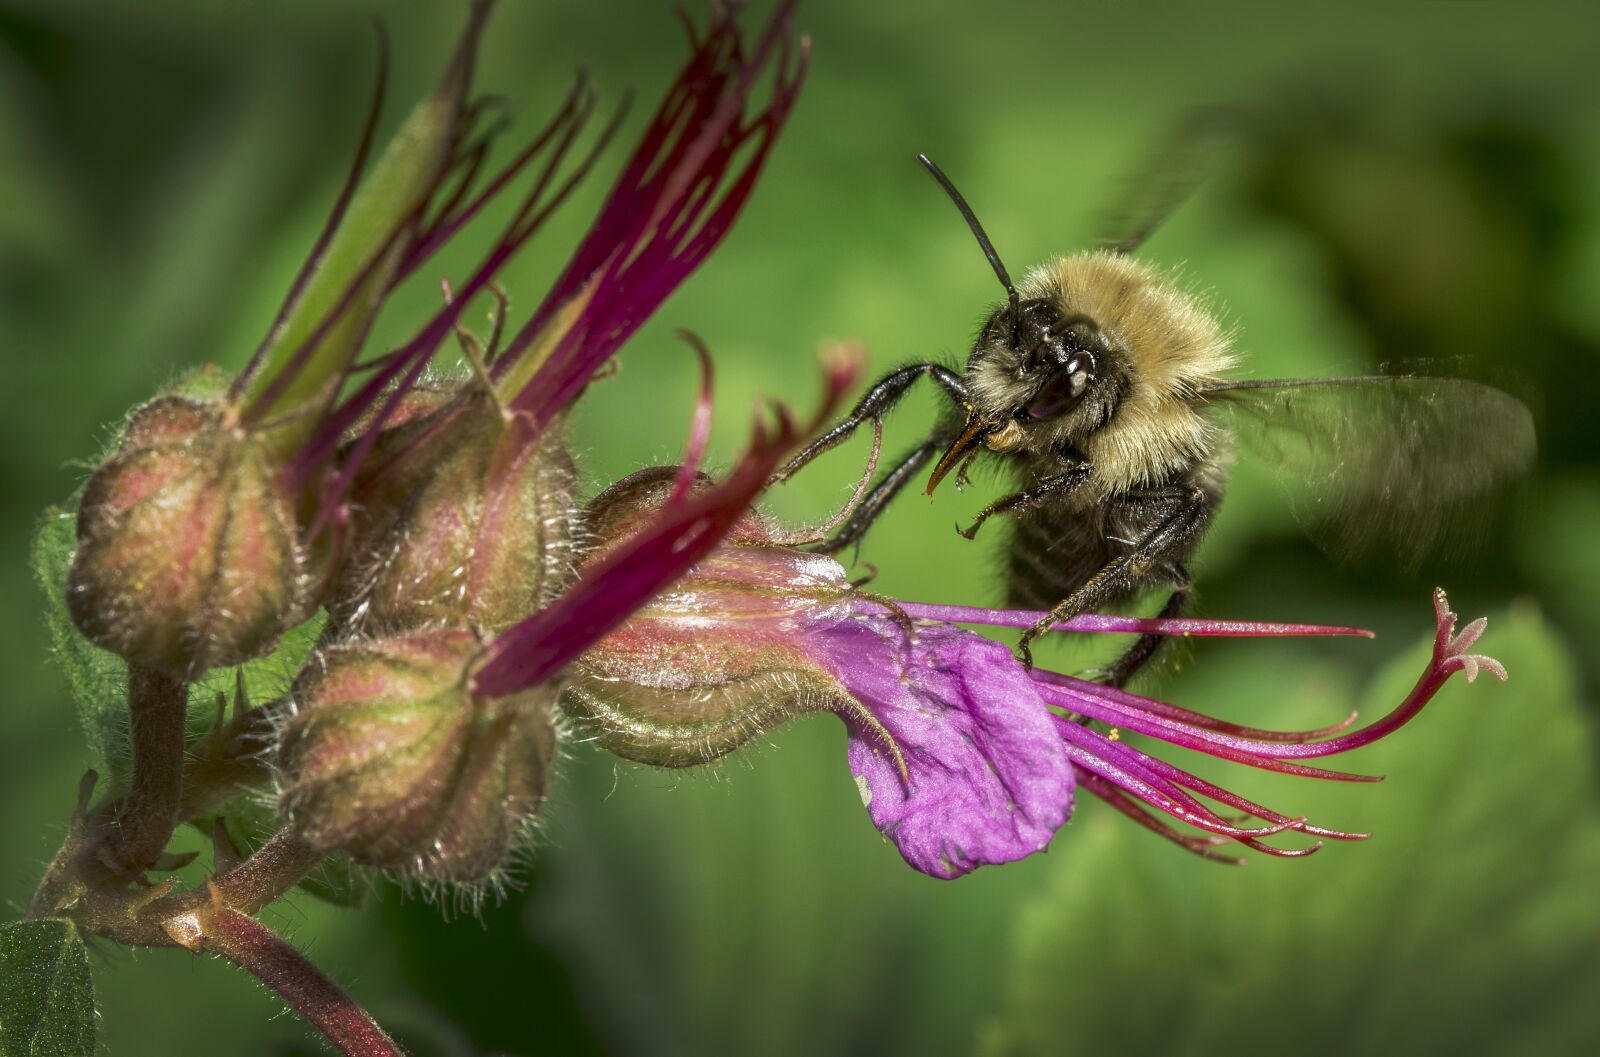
(145, 818)
(271, 959)
(160, 917)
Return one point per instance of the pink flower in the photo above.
(963, 756)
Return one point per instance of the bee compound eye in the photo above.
(1059, 394)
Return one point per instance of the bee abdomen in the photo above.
(1053, 551)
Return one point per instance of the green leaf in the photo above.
(263, 679)
(1468, 922)
(46, 997)
(96, 678)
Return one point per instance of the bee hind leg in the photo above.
(1140, 653)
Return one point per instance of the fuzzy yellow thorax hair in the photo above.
(1175, 349)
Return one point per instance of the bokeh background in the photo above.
(1416, 182)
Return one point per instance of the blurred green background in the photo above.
(1420, 181)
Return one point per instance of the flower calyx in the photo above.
(713, 661)
(387, 758)
(463, 520)
(188, 550)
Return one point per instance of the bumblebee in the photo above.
(1103, 388)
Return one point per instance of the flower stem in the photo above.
(258, 882)
(306, 989)
(161, 916)
(158, 707)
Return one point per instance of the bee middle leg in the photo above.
(1048, 488)
(1163, 543)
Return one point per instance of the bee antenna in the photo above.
(977, 231)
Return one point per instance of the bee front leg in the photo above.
(1165, 541)
(873, 405)
(1057, 484)
(888, 486)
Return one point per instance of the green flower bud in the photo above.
(714, 660)
(461, 521)
(188, 554)
(387, 759)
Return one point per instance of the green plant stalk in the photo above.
(366, 249)
(82, 885)
(140, 825)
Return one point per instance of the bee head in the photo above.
(1057, 357)
(1040, 378)
(1033, 365)
(1038, 364)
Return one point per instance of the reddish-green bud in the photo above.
(387, 759)
(188, 553)
(462, 520)
(714, 660)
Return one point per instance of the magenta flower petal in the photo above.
(986, 778)
(676, 199)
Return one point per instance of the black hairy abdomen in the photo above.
(1057, 548)
(1054, 550)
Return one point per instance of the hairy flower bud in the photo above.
(188, 553)
(713, 661)
(386, 758)
(462, 520)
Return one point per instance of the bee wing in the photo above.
(1181, 161)
(1392, 465)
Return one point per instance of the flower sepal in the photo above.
(461, 518)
